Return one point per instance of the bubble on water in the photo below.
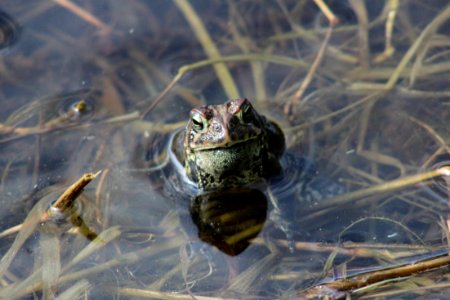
(77, 109)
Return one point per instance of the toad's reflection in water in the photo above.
(229, 220)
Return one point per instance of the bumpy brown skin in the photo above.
(229, 145)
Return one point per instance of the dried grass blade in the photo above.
(209, 47)
(256, 272)
(51, 263)
(28, 227)
(420, 42)
(386, 187)
(75, 291)
(102, 239)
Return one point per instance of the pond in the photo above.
(353, 202)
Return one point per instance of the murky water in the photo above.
(80, 91)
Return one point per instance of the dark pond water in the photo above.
(83, 89)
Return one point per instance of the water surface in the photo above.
(362, 121)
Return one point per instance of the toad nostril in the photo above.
(217, 127)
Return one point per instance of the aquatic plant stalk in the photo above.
(67, 198)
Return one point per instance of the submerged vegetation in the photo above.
(360, 88)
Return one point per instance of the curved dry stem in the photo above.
(370, 278)
(276, 59)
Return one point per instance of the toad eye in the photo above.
(245, 115)
(198, 121)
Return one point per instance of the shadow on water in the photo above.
(362, 202)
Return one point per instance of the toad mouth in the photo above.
(229, 145)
